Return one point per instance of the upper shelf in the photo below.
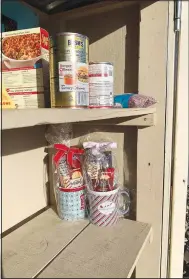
(31, 117)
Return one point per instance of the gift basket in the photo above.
(67, 171)
(102, 181)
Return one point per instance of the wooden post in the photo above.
(150, 149)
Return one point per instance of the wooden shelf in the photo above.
(32, 246)
(47, 247)
(31, 117)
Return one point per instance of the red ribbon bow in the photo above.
(69, 152)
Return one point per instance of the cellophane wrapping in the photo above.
(68, 182)
(100, 166)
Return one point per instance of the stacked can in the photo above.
(69, 70)
(100, 85)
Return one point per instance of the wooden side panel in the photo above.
(168, 146)
(180, 156)
(150, 151)
(23, 174)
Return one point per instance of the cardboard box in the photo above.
(25, 67)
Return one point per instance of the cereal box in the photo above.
(25, 67)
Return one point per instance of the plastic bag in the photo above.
(100, 173)
(131, 100)
(67, 173)
(104, 195)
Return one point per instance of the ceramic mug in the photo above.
(71, 203)
(104, 207)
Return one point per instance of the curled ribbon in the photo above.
(69, 152)
(98, 147)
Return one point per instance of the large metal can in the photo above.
(69, 70)
(100, 85)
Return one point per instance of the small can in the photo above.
(69, 73)
(100, 85)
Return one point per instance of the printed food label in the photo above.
(101, 85)
(6, 100)
(73, 77)
(26, 97)
(73, 48)
(106, 207)
(27, 77)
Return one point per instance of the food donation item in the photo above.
(131, 100)
(69, 70)
(105, 207)
(103, 193)
(100, 174)
(70, 190)
(68, 164)
(25, 67)
(100, 85)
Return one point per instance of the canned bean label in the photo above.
(73, 77)
(100, 84)
(70, 69)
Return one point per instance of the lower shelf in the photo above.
(47, 247)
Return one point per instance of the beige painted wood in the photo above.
(168, 146)
(32, 117)
(150, 149)
(101, 252)
(144, 120)
(113, 37)
(30, 248)
(97, 8)
(180, 171)
(24, 188)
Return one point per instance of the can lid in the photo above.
(71, 33)
(96, 62)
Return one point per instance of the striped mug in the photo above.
(104, 207)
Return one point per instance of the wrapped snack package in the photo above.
(100, 173)
(67, 173)
(68, 165)
(131, 100)
(104, 195)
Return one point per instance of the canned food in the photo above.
(52, 59)
(100, 84)
(69, 62)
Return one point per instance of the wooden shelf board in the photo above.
(101, 252)
(31, 117)
(47, 247)
(28, 249)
